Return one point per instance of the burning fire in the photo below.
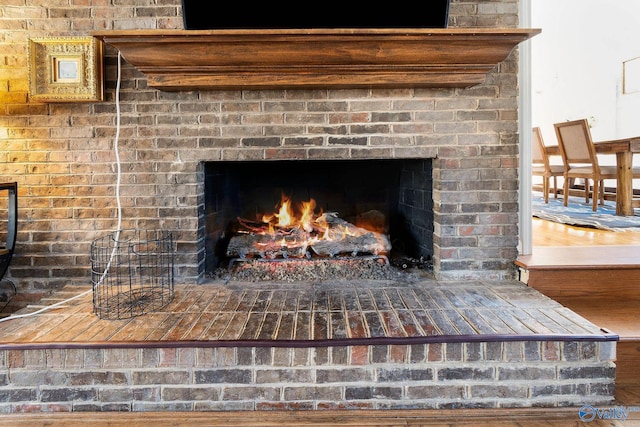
(285, 216)
(290, 233)
(317, 225)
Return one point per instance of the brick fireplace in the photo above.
(62, 155)
(174, 144)
(468, 211)
(435, 112)
(167, 140)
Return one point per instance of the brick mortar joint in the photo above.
(53, 363)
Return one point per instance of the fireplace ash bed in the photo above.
(332, 269)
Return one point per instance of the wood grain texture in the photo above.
(548, 233)
(530, 417)
(595, 273)
(328, 58)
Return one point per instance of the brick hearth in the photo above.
(335, 345)
(529, 352)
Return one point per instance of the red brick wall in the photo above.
(62, 154)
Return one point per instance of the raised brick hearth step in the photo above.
(314, 315)
(255, 346)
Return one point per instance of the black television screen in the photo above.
(204, 15)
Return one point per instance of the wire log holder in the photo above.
(132, 273)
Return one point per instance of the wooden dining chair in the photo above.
(541, 166)
(580, 160)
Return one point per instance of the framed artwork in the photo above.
(65, 69)
(631, 76)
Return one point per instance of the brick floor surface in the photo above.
(328, 312)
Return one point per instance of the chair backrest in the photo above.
(539, 154)
(575, 143)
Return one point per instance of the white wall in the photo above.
(577, 66)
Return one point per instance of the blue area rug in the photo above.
(579, 213)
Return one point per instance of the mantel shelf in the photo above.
(337, 58)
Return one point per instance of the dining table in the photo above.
(623, 149)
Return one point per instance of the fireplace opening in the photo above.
(329, 215)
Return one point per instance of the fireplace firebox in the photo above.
(392, 197)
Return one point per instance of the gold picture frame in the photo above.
(66, 69)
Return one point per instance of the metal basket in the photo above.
(132, 273)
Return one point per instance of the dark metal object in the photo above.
(6, 251)
(132, 273)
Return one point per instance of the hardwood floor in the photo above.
(548, 233)
(529, 417)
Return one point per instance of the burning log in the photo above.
(264, 245)
(330, 236)
(364, 244)
(342, 237)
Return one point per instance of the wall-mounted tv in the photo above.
(204, 15)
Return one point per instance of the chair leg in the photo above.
(555, 187)
(595, 194)
(566, 191)
(545, 189)
(586, 190)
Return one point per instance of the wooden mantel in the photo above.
(335, 58)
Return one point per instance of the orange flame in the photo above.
(308, 215)
(285, 217)
(293, 232)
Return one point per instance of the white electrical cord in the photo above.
(117, 236)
